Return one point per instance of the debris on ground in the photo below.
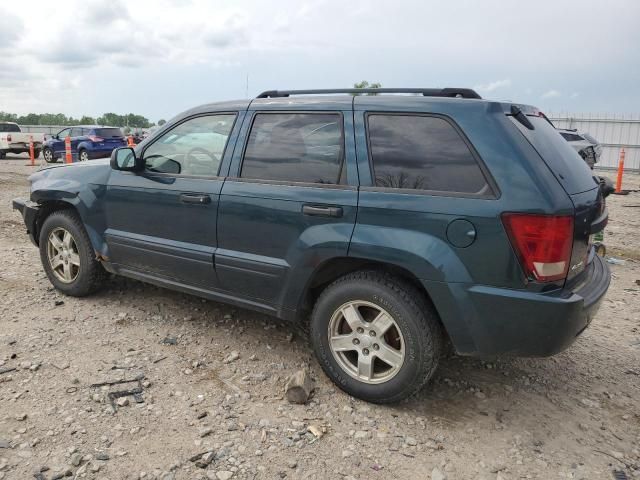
(299, 387)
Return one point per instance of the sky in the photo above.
(160, 57)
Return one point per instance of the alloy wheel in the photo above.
(63, 255)
(366, 342)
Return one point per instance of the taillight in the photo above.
(542, 242)
(93, 138)
(8, 138)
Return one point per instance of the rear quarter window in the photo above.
(423, 153)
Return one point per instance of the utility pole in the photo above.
(246, 88)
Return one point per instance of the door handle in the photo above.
(322, 211)
(195, 199)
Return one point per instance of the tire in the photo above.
(2, 155)
(83, 156)
(416, 336)
(36, 153)
(86, 275)
(47, 153)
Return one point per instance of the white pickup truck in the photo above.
(12, 140)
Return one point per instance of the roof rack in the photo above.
(427, 92)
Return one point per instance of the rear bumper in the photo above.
(484, 320)
(21, 147)
(29, 211)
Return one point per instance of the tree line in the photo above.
(111, 119)
(130, 120)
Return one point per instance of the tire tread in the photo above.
(421, 310)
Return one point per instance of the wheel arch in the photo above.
(334, 268)
(48, 207)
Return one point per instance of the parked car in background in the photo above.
(87, 142)
(386, 225)
(583, 143)
(13, 140)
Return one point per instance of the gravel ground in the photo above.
(214, 379)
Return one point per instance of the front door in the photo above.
(162, 222)
(58, 143)
(287, 205)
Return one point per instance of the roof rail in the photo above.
(427, 92)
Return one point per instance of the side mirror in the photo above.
(125, 159)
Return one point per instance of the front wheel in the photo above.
(376, 336)
(67, 255)
(47, 153)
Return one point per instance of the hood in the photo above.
(71, 178)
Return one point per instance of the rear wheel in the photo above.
(36, 153)
(67, 255)
(83, 156)
(47, 153)
(376, 336)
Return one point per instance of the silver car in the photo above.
(583, 143)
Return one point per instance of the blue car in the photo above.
(87, 142)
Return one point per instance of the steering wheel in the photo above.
(189, 155)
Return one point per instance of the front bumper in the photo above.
(29, 211)
(484, 320)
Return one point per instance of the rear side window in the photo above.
(108, 132)
(422, 153)
(9, 128)
(295, 147)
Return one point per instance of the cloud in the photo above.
(490, 87)
(104, 13)
(11, 29)
(551, 94)
(232, 31)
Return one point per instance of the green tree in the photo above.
(86, 120)
(161, 122)
(365, 84)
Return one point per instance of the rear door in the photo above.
(290, 200)
(162, 222)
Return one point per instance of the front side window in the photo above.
(62, 134)
(422, 153)
(295, 147)
(194, 147)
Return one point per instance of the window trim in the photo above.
(269, 181)
(177, 124)
(494, 193)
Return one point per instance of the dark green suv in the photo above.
(389, 224)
